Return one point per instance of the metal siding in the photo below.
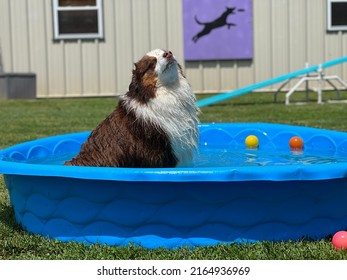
(211, 76)
(344, 51)
(174, 30)
(297, 34)
(158, 24)
(279, 40)
(123, 38)
(37, 37)
(228, 75)
(245, 75)
(287, 34)
(193, 72)
(333, 49)
(262, 40)
(19, 35)
(56, 66)
(73, 68)
(315, 31)
(141, 31)
(56, 71)
(90, 67)
(107, 52)
(5, 36)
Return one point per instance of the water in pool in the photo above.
(241, 157)
(231, 156)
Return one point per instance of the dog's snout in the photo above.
(167, 54)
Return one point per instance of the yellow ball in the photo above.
(252, 142)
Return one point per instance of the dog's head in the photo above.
(166, 67)
(230, 10)
(157, 68)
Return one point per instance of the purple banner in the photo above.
(218, 29)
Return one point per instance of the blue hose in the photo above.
(244, 90)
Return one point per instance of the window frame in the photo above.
(331, 27)
(74, 36)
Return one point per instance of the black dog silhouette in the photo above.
(217, 23)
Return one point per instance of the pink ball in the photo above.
(340, 240)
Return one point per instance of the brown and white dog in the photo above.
(155, 123)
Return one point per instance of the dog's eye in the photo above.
(147, 64)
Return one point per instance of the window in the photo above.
(77, 19)
(336, 15)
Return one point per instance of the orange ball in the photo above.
(296, 143)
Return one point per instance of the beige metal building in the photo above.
(287, 34)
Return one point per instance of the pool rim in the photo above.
(179, 174)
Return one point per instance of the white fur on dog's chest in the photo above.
(173, 109)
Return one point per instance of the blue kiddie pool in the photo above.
(228, 194)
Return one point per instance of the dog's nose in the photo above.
(167, 54)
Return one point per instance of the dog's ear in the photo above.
(143, 82)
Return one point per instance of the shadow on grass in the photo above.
(7, 218)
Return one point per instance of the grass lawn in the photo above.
(28, 120)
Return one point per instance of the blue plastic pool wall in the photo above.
(153, 214)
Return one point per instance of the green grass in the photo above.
(28, 120)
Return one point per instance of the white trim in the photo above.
(57, 9)
(331, 27)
